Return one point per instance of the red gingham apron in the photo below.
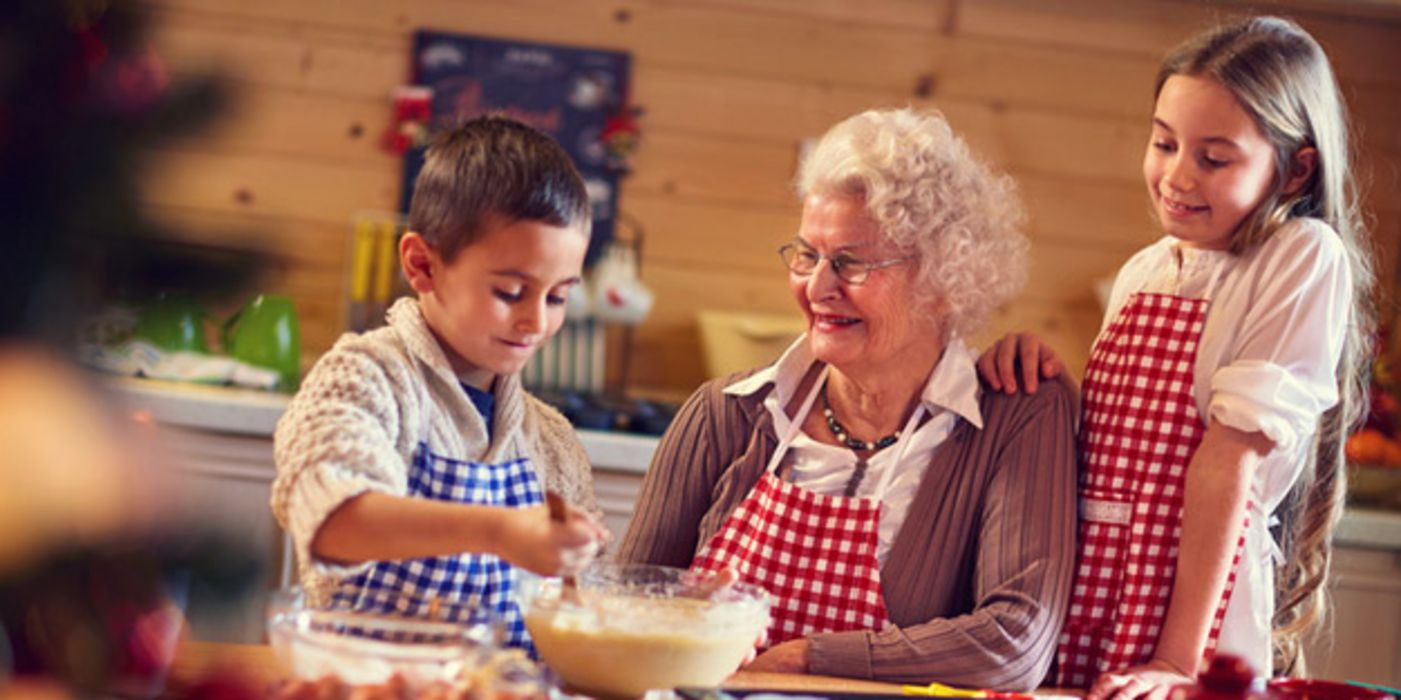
(815, 554)
(1140, 428)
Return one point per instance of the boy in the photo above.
(412, 465)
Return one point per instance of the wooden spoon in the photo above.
(570, 592)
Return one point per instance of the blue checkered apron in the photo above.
(457, 587)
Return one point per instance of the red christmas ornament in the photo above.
(413, 108)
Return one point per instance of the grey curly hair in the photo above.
(930, 197)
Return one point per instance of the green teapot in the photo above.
(265, 333)
(173, 323)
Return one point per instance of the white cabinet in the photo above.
(619, 460)
(1365, 644)
(225, 480)
(218, 443)
(617, 492)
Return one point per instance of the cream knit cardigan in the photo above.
(365, 408)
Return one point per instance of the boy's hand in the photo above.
(998, 364)
(531, 540)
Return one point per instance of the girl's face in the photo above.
(502, 297)
(855, 326)
(1208, 165)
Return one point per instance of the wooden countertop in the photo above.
(256, 663)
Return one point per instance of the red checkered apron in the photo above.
(1140, 428)
(815, 554)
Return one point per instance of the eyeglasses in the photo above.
(803, 261)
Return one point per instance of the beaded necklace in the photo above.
(843, 436)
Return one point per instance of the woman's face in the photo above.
(857, 326)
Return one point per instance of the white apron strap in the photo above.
(906, 437)
(796, 424)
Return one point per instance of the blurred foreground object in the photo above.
(1229, 677)
(63, 478)
(93, 573)
(82, 96)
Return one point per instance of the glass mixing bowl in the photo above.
(635, 627)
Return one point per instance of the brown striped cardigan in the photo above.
(978, 577)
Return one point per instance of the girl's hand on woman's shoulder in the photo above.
(1151, 681)
(1018, 358)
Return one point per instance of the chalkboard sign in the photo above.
(567, 92)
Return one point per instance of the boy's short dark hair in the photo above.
(493, 166)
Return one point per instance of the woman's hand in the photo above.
(998, 364)
(1151, 681)
(530, 539)
(788, 657)
(715, 582)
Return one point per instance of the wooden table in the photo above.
(256, 662)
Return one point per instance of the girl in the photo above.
(1225, 377)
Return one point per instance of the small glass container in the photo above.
(315, 643)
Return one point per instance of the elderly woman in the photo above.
(910, 525)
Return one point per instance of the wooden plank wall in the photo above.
(1054, 91)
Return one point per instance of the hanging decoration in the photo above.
(413, 106)
(620, 138)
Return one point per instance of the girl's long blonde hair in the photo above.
(1282, 78)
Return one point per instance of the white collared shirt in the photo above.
(950, 393)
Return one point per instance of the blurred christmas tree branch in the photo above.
(88, 601)
(82, 98)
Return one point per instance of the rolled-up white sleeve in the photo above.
(1282, 374)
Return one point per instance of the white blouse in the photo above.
(1267, 361)
(950, 393)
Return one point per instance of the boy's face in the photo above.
(502, 297)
